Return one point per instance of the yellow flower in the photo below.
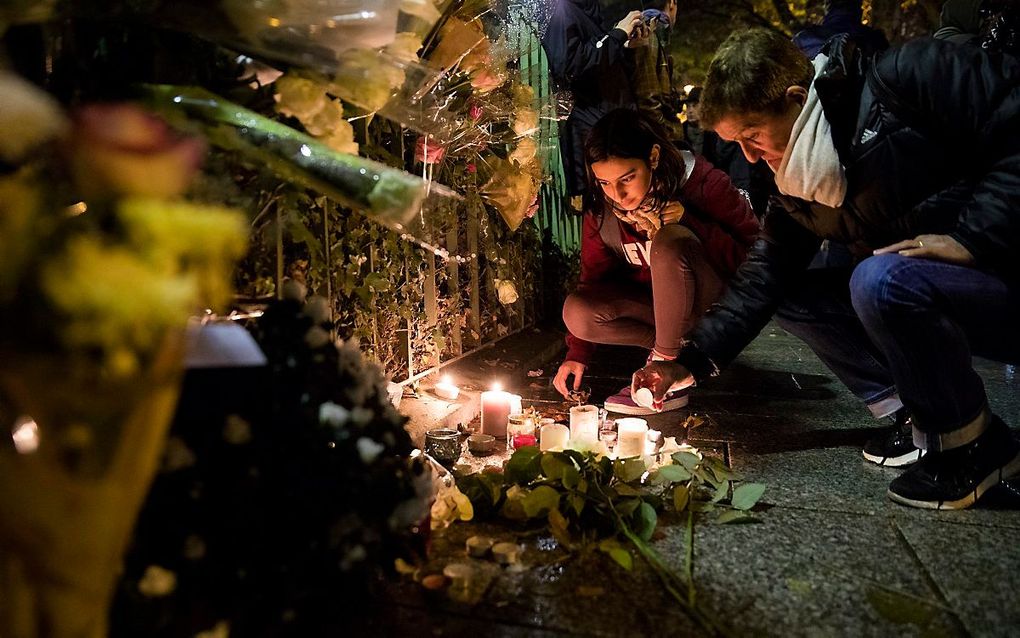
(506, 291)
(299, 97)
(365, 78)
(525, 122)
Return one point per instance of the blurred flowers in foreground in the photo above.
(99, 253)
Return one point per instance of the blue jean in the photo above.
(820, 313)
(929, 318)
(910, 325)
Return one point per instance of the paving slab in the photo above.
(976, 569)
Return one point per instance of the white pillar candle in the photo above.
(446, 389)
(584, 424)
(515, 404)
(495, 413)
(631, 436)
(554, 436)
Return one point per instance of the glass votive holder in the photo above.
(443, 444)
(521, 431)
(607, 433)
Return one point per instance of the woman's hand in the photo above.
(937, 247)
(672, 213)
(659, 377)
(568, 368)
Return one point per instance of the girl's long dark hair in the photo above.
(629, 134)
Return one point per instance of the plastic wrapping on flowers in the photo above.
(385, 194)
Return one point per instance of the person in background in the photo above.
(595, 65)
(863, 155)
(755, 180)
(662, 233)
(841, 17)
(653, 71)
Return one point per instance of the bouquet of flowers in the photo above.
(102, 262)
(279, 494)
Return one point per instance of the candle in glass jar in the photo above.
(515, 404)
(554, 436)
(631, 435)
(584, 424)
(495, 412)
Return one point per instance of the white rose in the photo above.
(526, 121)
(333, 414)
(506, 291)
(369, 450)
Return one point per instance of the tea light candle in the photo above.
(495, 412)
(446, 389)
(584, 424)
(631, 437)
(479, 546)
(460, 575)
(653, 442)
(554, 436)
(505, 553)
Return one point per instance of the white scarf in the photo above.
(810, 169)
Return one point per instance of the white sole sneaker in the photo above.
(894, 461)
(1009, 470)
(634, 409)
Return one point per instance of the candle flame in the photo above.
(446, 380)
(25, 435)
(497, 386)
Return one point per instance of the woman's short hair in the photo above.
(750, 73)
(629, 134)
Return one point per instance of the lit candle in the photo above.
(631, 435)
(515, 404)
(495, 412)
(584, 424)
(554, 436)
(446, 389)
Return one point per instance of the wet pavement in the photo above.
(830, 556)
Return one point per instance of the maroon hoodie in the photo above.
(715, 210)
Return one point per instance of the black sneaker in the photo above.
(956, 478)
(894, 447)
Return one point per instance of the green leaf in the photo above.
(674, 473)
(622, 557)
(524, 466)
(558, 525)
(745, 496)
(629, 469)
(540, 500)
(681, 497)
(577, 503)
(626, 507)
(560, 467)
(735, 516)
(687, 459)
(628, 490)
(721, 492)
(646, 519)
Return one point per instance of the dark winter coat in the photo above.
(929, 137)
(593, 64)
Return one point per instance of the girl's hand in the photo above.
(672, 213)
(568, 368)
(659, 377)
(937, 247)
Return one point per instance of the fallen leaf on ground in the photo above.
(536, 373)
